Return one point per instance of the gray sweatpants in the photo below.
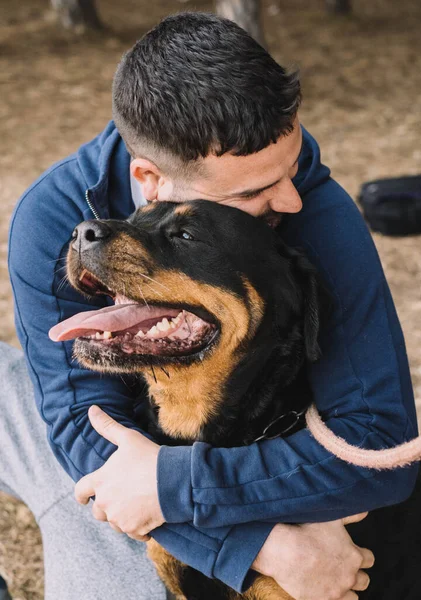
(84, 559)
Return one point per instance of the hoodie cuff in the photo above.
(238, 552)
(174, 483)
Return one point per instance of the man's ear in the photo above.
(316, 300)
(155, 185)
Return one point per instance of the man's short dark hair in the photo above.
(198, 84)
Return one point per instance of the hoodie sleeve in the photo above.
(361, 386)
(40, 229)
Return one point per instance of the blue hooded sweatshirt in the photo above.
(220, 504)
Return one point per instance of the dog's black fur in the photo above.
(227, 246)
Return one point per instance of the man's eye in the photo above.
(251, 196)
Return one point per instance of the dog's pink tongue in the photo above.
(111, 318)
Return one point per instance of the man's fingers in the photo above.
(354, 518)
(98, 513)
(368, 558)
(117, 529)
(362, 581)
(106, 425)
(84, 489)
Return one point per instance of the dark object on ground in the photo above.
(77, 14)
(4, 594)
(392, 206)
(339, 6)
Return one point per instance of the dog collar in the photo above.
(281, 425)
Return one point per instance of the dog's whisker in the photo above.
(154, 290)
(147, 276)
(144, 299)
(126, 272)
(165, 287)
(166, 373)
(62, 283)
(55, 260)
(153, 372)
(61, 268)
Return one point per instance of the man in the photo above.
(206, 113)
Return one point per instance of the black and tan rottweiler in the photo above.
(219, 317)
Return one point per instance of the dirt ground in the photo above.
(362, 101)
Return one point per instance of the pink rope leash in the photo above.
(390, 458)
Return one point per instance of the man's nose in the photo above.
(286, 198)
(89, 234)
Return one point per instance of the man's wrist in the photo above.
(175, 490)
(235, 558)
(270, 556)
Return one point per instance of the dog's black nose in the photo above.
(90, 233)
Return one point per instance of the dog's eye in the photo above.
(184, 235)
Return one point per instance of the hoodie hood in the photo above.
(311, 172)
(105, 165)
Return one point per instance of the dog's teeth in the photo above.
(153, 331)
(163, 325)
(140, 334)
(107, 335)
(98, 336)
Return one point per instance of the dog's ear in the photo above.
(316, 301)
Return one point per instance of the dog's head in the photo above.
(195, 285)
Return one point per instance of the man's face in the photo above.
(260, 183)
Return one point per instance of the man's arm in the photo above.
(330, 565)
(361, 386)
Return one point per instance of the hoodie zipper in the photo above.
(94, 212)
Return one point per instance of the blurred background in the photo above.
(361, 76)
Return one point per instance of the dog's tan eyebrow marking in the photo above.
(183, 209)
(148, 207)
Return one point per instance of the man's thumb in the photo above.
(354, 518)
(105, 425)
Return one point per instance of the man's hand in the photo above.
(316, 561)
(125, 487)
